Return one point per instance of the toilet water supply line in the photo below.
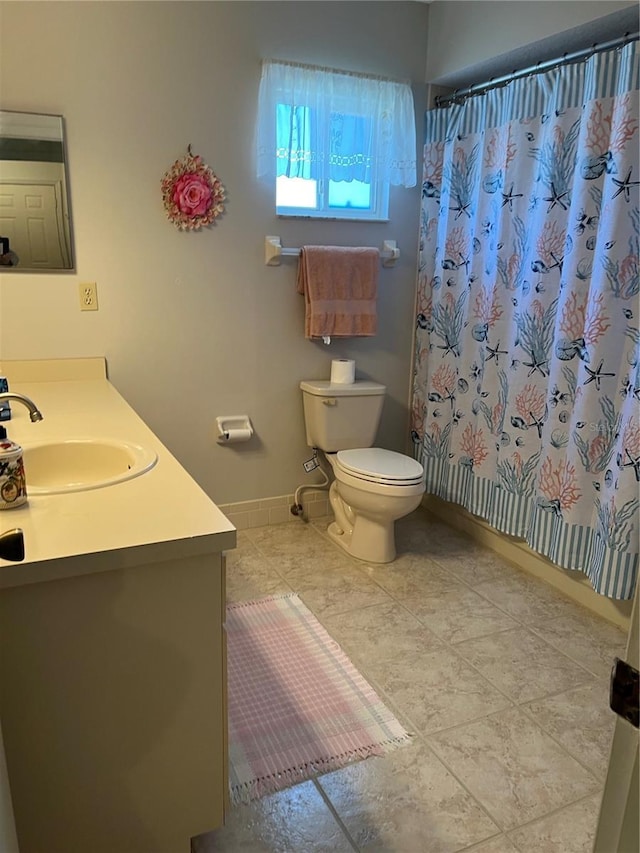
(309, 465)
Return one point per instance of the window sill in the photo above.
(330, 218)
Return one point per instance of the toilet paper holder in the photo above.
(234, 428)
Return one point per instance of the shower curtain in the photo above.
(526, 390)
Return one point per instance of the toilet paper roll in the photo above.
(343, 371)
(230, 436)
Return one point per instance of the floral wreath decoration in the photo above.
(192, 194)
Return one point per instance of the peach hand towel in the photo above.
(340, 287)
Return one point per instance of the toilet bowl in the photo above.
(371, 490)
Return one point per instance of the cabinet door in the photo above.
(128, 664)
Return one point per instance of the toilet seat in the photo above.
(375, 465)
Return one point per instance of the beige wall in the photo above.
(195, 325)
(469, 33)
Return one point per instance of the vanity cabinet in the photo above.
(113, 707)
(112, 659)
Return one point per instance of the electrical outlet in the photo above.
(88, 296)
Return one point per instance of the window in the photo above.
(332, 142)
(338, 185)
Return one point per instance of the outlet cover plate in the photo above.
(88, 291)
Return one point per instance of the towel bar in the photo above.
(273, 251)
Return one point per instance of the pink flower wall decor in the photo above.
(193, 196)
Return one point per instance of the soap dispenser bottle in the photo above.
(13, 486)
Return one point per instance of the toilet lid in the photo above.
(380, 466)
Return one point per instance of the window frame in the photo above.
(378, 210)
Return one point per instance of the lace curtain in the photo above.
(315, 122)
(527, 360)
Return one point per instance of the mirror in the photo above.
(35, 218)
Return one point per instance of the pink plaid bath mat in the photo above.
(297, 705)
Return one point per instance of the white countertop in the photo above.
(159, 515)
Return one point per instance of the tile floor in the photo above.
(503, 681)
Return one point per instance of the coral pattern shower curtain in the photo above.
(527, 374)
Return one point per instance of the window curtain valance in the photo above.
(363, 126)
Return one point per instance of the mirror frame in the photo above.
(64, 221)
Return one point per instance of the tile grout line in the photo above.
(530, 628)
(424, 738)
(462, 784)
(503, 830)
(334, 812)
(551, 814)
(478, 845)
(534, 629)
(452, 646)
(590, 770)
(513, 704)
(521, 574)
(406, 721)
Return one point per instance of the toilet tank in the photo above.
(341, 417)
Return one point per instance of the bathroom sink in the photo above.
(79, 464)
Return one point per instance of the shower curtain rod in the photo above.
(478, 88)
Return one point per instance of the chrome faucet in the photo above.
(34, 412)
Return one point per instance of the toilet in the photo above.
(372, 487)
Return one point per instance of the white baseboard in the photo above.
(277, 510)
